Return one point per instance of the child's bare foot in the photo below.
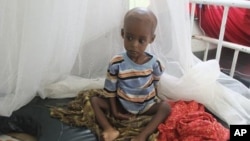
(110, 134)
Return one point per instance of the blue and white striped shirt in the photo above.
(133, 84)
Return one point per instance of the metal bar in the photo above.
(234, 3)
(236, 54)
(192, 16)
(235, 46)
(206, 51)
(222, 32)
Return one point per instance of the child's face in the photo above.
(137, 35)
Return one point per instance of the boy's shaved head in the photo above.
(141, 14)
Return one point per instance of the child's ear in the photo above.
(122, 33)
(152, 38)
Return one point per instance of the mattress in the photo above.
(34, 119)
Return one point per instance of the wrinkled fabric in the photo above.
(189, 121)
(237, 26)
(79, 112)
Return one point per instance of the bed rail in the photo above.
(234, 3)
(220, 43)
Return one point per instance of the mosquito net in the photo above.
(53, 48)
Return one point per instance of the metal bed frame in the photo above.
(220, 42)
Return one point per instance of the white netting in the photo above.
(44, 43)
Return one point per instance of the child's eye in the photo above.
(129, 38)
(142, 41)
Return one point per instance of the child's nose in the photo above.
(135, 43)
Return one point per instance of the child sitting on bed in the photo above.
(132, 78)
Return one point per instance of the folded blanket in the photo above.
(79, 112)
(188, 121)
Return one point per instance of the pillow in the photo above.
(70, 86)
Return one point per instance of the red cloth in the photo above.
(237, 25)
(188, 121)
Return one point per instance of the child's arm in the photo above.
(117, 114)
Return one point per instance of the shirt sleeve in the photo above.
(158, 70)
(110, 85)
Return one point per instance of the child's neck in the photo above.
(142, 59)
